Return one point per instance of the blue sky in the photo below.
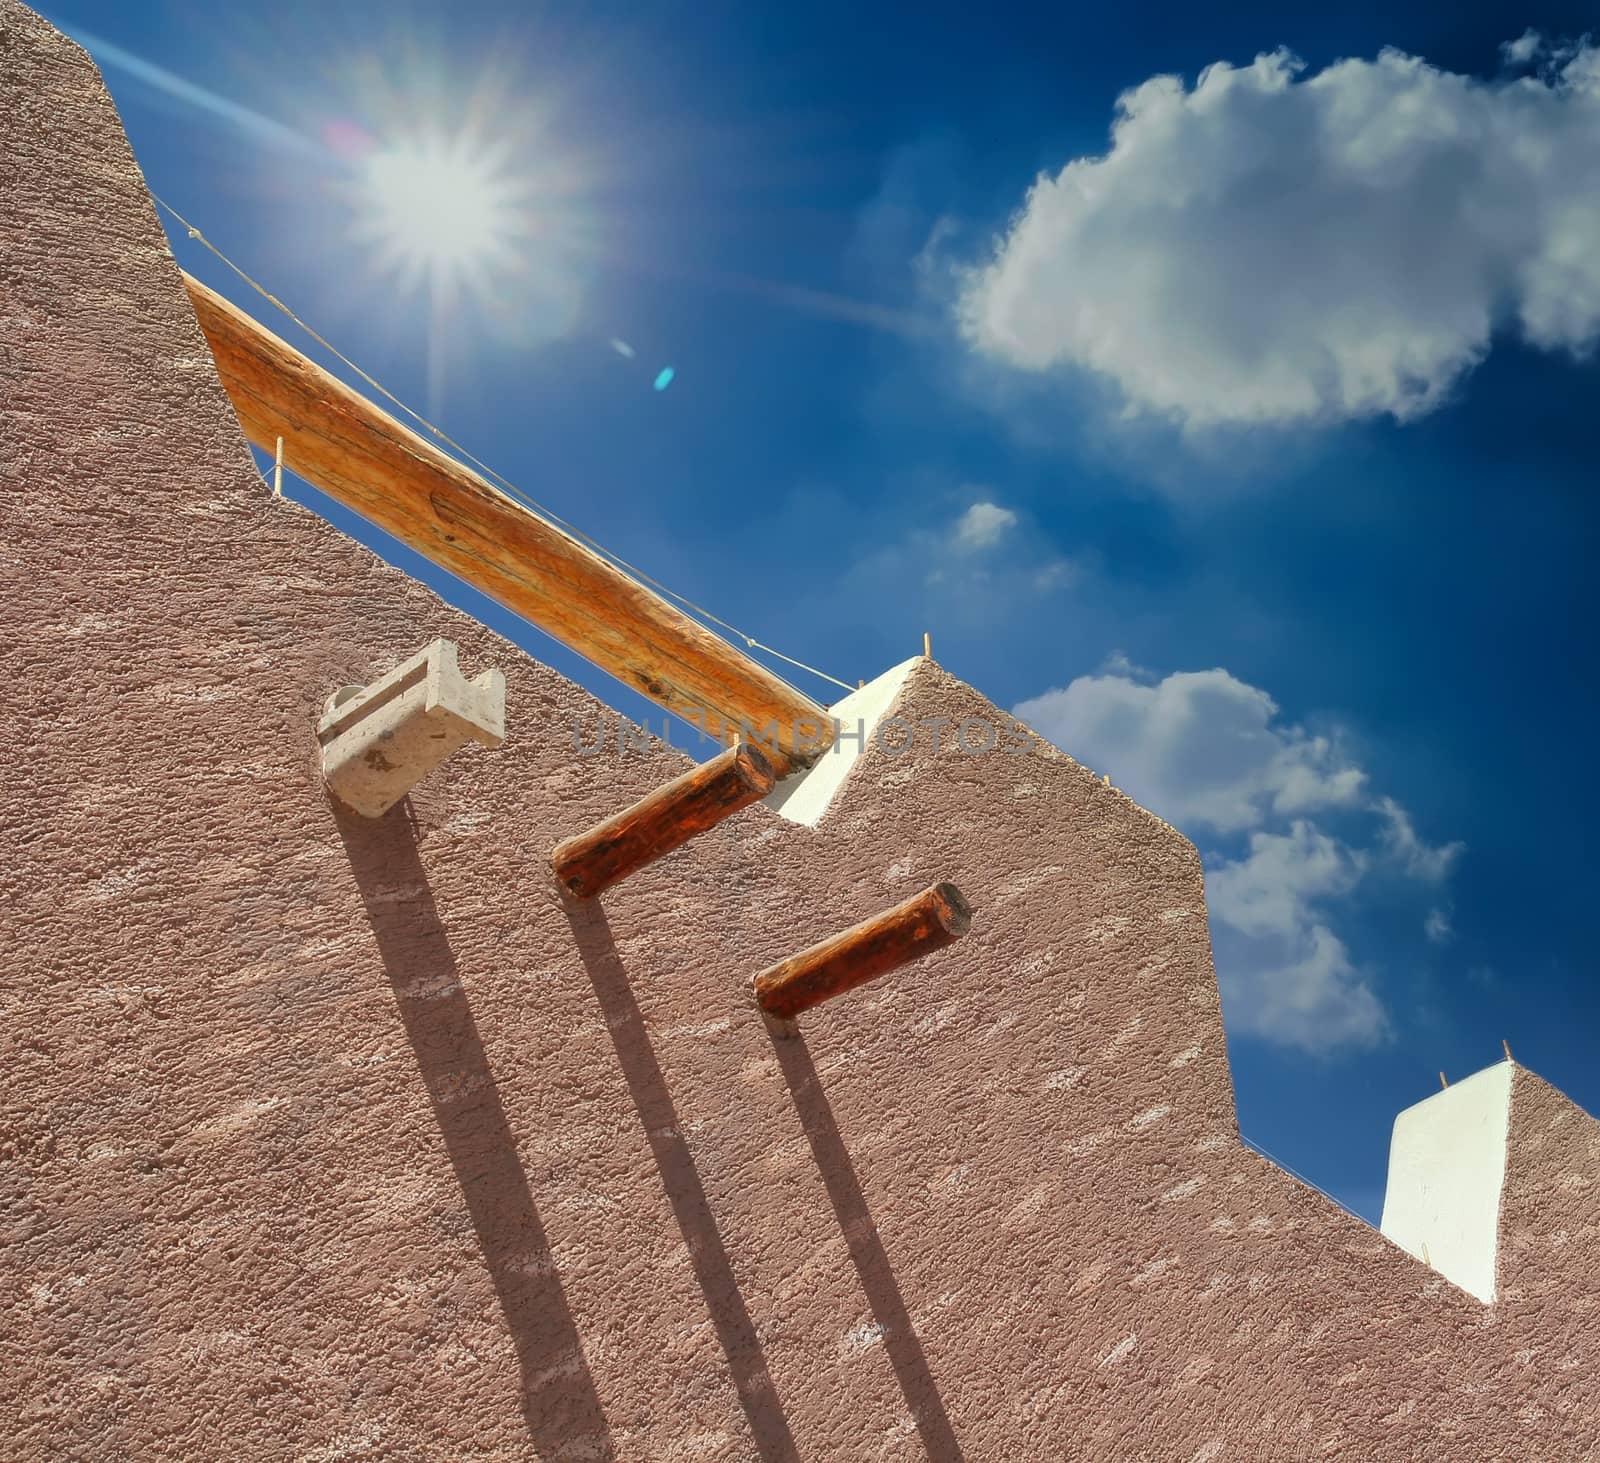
(1249, 452)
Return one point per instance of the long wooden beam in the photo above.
(340, 442)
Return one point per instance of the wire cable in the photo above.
(1256, 1148)
(507, 488)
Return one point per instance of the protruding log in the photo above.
(665, 820)
(926, 922)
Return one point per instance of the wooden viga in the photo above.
(929, 921)
(666, 819)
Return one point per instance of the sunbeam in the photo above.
(252, 124)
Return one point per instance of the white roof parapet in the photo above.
(1447, 1166)
(805, 796)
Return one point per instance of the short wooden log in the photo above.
(665, 820)
(928, 921)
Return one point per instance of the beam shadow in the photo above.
(866, 1251)
(653, 1102)
(560, 1405)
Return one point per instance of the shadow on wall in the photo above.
(560, 1405)
(653, 1102)
(866, 1251)
(735, 1330)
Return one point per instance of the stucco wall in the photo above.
(325, 1139)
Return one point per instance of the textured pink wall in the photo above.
(327, 1139)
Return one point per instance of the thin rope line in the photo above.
(508, 489)
(1294, 1173)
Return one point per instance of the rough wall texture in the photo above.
(327, 1139)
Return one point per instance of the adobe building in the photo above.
(335, 1136)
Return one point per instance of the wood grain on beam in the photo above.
(666, 819)
(354, 452)
(924, 923)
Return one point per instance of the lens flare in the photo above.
(440, 211)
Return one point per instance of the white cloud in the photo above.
(1200, 747)
(1301, 990)
(1056, 574)
(1421, 860)
(1522, 50)
(983, 525)
(1209, 752)
(971, 569)
(1273, 247)
(1437, 927)
(1269, 892)
(1285, 974)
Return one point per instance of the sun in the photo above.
(443, 214)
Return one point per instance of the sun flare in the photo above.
(442, 213)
